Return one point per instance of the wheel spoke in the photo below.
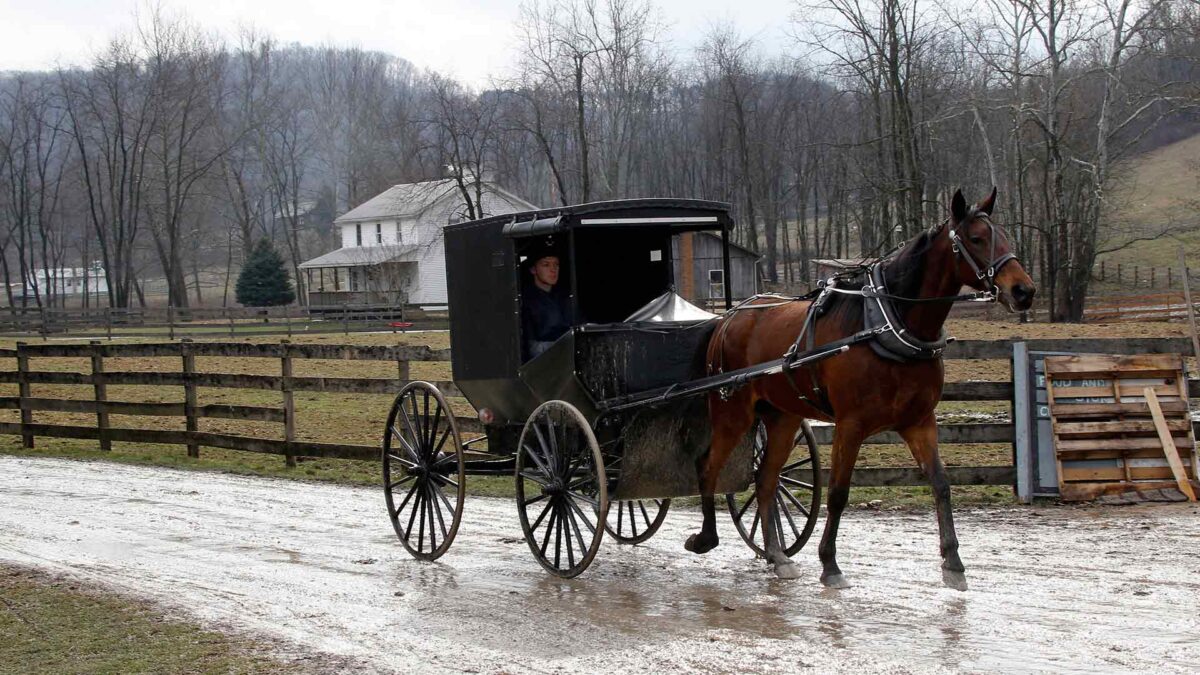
(442, 498)
(442, 440)
(538, 460)
(407, 463)
(412, 434)
(539, 481)
(421, 525)
(445, 479)
(781, 507)
(796, 483)
(412, 518)
(534, 500)
(400, 508)
(582, 516)
(795, 465)
(434, 426)
(567, 539)
(754, 527)
(645, 516)
(578, 531)
(545, 510)
(402, 481)
(792, 498)
(620, 519)
(746, 506)
(557, 536)
(549, 527)
(404, 442)
(632, 519)
(555, 459)
(435, 509)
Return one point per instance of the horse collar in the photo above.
(892, 339)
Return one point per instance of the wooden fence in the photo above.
(26, 375)
(1147, 307)
(172, 322)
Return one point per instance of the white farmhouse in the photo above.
(393, 251)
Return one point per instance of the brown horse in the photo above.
(860, 391)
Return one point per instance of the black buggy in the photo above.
(606, 426)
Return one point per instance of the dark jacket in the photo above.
(544, 316)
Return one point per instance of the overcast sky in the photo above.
(469, 39)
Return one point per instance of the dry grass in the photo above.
(1160, 190)
(53, 625)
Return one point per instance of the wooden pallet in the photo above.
(1105, 437)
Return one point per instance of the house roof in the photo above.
(733, 245)
(362, 256)
(409, 199)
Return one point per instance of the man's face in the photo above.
(545, 271)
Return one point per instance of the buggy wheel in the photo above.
(423, 472)
(637, 520)
(562, 491)
(797, 498)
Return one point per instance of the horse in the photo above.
(892, 381)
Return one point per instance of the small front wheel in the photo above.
(637, 519)
(562, 491)
(423, 471)
(797, 497)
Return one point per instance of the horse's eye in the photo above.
(976, 240)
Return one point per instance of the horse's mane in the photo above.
(905, 270)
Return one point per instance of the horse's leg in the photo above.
(922, 442)
(730, 420)
(847, 439)
(781, 436)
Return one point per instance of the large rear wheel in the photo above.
(797, 498)
(562, 491)
(423, 471)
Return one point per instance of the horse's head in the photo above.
(984, 257)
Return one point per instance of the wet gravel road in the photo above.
(317, 568)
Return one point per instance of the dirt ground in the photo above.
(316, 567)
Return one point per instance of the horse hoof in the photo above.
(955, 580)
(787, 571)
(696, 545)
(835, 581)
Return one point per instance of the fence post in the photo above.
(45, 330)
(23, 390)
(403, 372)
(108, 322)
(289, 404)
(101, 397)
(189, 395)
(171, 322)
(287, 319)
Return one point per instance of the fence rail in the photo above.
(110, 322)
(100, 378)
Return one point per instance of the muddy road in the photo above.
(317, 568)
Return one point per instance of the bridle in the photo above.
(985, 274)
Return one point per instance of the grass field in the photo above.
(51, 626)
(359, 419)
(1160, 190)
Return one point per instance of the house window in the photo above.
(378, 233)
(716, 284)
(358, 234)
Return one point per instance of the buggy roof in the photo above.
(673, 214)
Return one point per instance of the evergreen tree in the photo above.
(264, 281)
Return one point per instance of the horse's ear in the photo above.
(958, 207)
(987, 204)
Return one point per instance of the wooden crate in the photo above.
(1105, 441)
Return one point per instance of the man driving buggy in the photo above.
(545, 305)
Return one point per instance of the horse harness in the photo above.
(882, 330)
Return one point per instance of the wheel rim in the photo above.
(797, 497)
(423, 471)
(562, 495)
(636, 520)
